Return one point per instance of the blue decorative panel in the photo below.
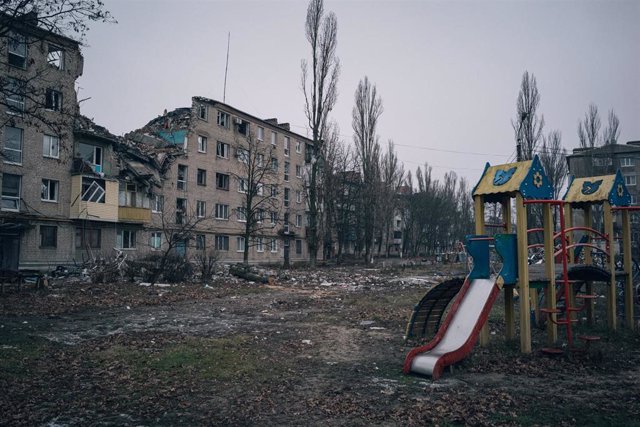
(619, 195)
(503, 176)
(507, 248)
(590, 187)
(479, 250)
(536, 184)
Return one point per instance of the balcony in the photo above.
(94, 198)
(132, 214)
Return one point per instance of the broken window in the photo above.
(182, 177)
(287, 142)
(201, 209)
(181, 210)
(286, 171)
(202, 144)
(51, 146)
(48, 236)
(222, 150)
(17, 50)
(158, 202)
(223, 119)
(243, 186)
(53, 100)
(11, 192)
(243, 127)
(202, 177)
(222, 211)
(243, 155)
(12, 145)
(222, 243)
(203, 112)
(49, 190)
(222, 181)
(15, 94)
(55, 57)
(93, 190)
(88, 238)
(91, 154)
(126, 239)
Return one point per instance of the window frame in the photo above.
(156, 237)
(225, 181)
(16, 39)
(82, 241)
(56, 62)
(260, 134)
(221, 242)
(131, 241)
(287, 146)
(203, 108)
(6, 148)
(54, 237)
(50, 144)
(240, 241)
(15, 96)
(53, 100)
(222, 208)
(201, 177)
(224, 148)
(181, 183)
(51, 185)
(202, 144)
(201, 209)
(223, 119)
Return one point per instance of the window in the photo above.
(259, 189)
(298, 196)
(202, 144)
(287, 142)
(273, 245)
(243, 127)
(48, 236)
(182, 177)
(634, 199)
(17, 50)
(260, 134)
(273, 216)
(49, 190)
(51, 146)
(88, 238)
(15, 94)
(626, 162)
(201, 209)
(222, 243)
(201, 242)
(242, 155)
(156, 240)
(55, 57)
(53, 100)
(286, 171)
(91, 154)
(158, 203)
(298, 247)
(241, 213)
(201, 177)
(274, 138)
(298, 147)
(260, 216)
(602, 161)
(286, 197)
(240, 244)
(298, 220)
(299, 171)
(12, 145)
(181, 210)
(274, 164)
(285, 223)
(203, 112)
(223, 119)
(126, 239)
(222, 150)
(630, 180)
(259, 244)
(222, 211)
(274, 191)
(93, 190)
(242, 185)
(222, 181)
(259, 160)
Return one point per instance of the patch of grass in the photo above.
(19, 354)
(221, 358)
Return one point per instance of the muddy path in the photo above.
(325, 350)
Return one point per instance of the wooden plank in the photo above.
(611, 292)
(549, 263)
(523, 272)
(628, 268)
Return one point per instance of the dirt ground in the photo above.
(318, 347)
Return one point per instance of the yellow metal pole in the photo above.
(611, 294)
(588, 260)
(568, 223)
(478, 205)
(509, 311)
(523, 275)
(550, 272)
(628, 269)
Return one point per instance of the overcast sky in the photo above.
(448, 71)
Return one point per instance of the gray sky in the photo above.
(448, 71)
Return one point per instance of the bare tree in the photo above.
(527, 125)
(365, 115)
(258, 180)
(319, 85)
(589, 128)
(611, 133)
(392, 175)
(554, 160)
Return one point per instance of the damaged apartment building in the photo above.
(71, 191)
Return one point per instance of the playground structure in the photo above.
(471, 300)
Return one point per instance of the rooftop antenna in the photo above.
(226, 67)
